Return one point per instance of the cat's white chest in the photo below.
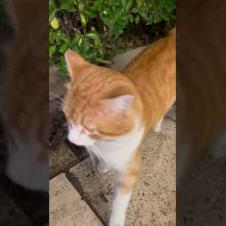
(118, 152)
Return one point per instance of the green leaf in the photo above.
(52, 50)
(55, 23)
(137, 19)
(103, 61)
(83, 20)
(93, 28)
(62, 68)
(67, 5)
(80, 41)
(95, 37)
(52, 10)
(63, 48)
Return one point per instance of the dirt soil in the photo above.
(58, 124)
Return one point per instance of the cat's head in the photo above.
(100, 103)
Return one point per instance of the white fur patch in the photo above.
(117, 153)
(120, 103)
(119, 208)
(76, 136)
(158, 126)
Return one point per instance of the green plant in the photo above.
(88, 26)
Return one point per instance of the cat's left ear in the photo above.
(120, 103)
(74, 62)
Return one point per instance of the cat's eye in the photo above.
(89, 129)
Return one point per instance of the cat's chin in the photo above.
(82, 142)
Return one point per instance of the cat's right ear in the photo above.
(74, 62)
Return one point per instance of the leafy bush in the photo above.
(87, 25)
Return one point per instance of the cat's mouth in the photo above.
(81, 140)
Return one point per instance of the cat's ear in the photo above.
(120, 103)
(74, 62)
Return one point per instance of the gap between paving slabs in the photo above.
(78, 187)
(67, 208)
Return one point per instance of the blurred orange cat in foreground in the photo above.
(109, 112)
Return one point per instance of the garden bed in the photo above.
(99, 29)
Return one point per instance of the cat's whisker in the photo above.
(94, 151)
(57, 102)
(56, 96)
(99, 153)
(91, 156)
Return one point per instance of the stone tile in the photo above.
(153, 200)
(121, 60)
(79, 151)
(66, 206)
(98, 189)
(172, 112)
(10, 213)
(61, 158)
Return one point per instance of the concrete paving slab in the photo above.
(10, 213)
(96, 188)
(153, 200)
(121, 60)
(61, 158)
(66, 206)
(172, 112)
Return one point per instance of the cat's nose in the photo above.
(75, 141)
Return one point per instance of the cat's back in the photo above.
(158, 56)
(153, 73)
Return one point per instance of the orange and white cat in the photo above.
(109, 112)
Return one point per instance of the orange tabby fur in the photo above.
(153, 73)
(150, 78)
